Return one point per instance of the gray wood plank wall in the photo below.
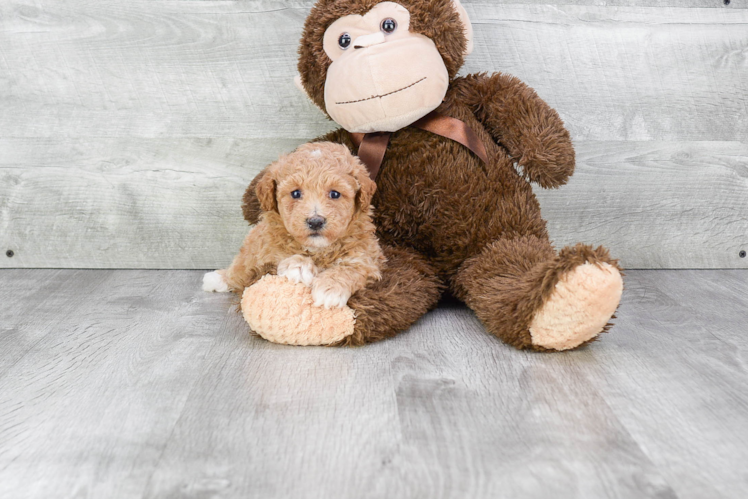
(129, 129)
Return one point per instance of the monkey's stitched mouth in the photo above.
(383, 95)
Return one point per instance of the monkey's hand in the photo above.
(524, 124)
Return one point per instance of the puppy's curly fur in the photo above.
(315, 228)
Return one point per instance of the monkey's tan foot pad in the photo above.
(583, 302)
(283, 312)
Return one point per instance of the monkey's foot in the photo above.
(580, 306)
(284, 312)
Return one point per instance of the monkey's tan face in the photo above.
(316, 204)
(382, 76)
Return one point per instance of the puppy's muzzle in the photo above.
(316, 223)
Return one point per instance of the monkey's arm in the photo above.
(523, 123)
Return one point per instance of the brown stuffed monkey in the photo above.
(446, 219)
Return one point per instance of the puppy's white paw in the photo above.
(215, 282)
(298, 269)
(299, 274)
(329, 294)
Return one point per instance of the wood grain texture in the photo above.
(129, 129)
(127, 203)
(153, 388)
(697, 318)
(207, 69)
(625, 73)
(656, 204)
(707, 4)
(104, 382)
(26, 320)
(155, 203)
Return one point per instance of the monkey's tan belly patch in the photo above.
(579, 308)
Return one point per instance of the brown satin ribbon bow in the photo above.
(372, 146)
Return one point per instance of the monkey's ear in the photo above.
(366, 188)
(467, 26)
(300, 85)
(266, 192)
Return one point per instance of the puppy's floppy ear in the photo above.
(250, 204)
(266, 191)
(366, 188)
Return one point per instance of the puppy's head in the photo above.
(317, 190)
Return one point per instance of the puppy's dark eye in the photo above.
(344, 41)
(334, 195)
(296, 194)
(389, 25)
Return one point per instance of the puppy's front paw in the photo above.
(328, 293)
(215, 282)
(298, 269)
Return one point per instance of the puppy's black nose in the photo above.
(316, 223)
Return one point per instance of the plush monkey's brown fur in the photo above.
(444, 218)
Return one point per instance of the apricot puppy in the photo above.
(315, 227)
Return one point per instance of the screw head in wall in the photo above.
(9, 253)
(742, 254)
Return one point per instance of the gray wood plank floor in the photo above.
(136, 383)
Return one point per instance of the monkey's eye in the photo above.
(334, 195)
(389, 25)
(296, 194)
(344, 41)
